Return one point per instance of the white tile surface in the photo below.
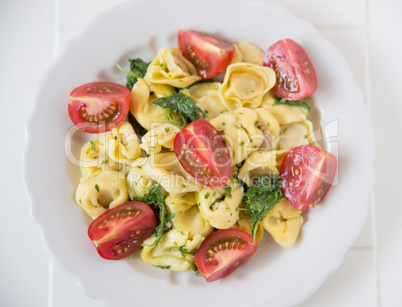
(338, 13)
(25, 53)
(360, 289)
(366, 32)
(385, 70)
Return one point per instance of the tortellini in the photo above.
(165, 169)
(137, 181)
(296, 134)
(117, 166)
(245, 130)
(257, 164)
(245, 84)
(94, 157)
(283, 113)
(207, 97)
(142, 108)
(247, 52)
(167, 253)
(244, 224)
(104, 191)
(284, 223)
(187, 217)
(161, 136)
(124, 144)
(218, 208)
(250, 53)
(170, 67)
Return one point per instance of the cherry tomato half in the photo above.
(99, 106)
(306, 175)
(223, 251)
(296, 77)
(209, 54)
(202, 152)
(120, 231)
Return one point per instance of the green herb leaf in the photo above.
(298, 103)
(97, 187)
(154, 197)
(93, 146)
(182, 250)
(138, 69)
(183, 104)
(163, 267)
(261, 198)
(228, 190)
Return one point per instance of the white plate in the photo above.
(274, 275)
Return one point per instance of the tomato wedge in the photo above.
(223, 251)
(99, 106)
(307, 174)
(209, 54)
(202, 152)
(296, 77)
(120, 231)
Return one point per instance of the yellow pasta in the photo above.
(171, 68)
(98, 193)
(284, 114)
(187, 217)
(218, 209)
(167, 253)
(160, 137)
(245, 84)
(207, 97)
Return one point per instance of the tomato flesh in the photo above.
(120, 231)
(209, 54)
(307, 174)
(223, 251)
(99, 106)
(203, 154)
(296, 76)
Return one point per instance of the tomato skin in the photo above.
(307, 173)
(223, 251)
(99, 106)
(296, 76)
(120, 231)
(209, 54)
(202, 152)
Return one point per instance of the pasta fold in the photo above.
(170, 67)
(245, 84)
(104, 191)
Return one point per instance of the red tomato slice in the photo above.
(306, 175)
(120, 231)
(223, 252)
(209, 54)
(202, 152)
(296, 77)
(99, 106)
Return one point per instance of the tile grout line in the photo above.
(55, 29)
(50, 286)
(55, 52)
(369, 111)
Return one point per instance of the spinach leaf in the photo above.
(298, 103)
(183, 251)
(184, 105)
(154, 197)
(138, 69)
(261, 198)
(228, 190)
